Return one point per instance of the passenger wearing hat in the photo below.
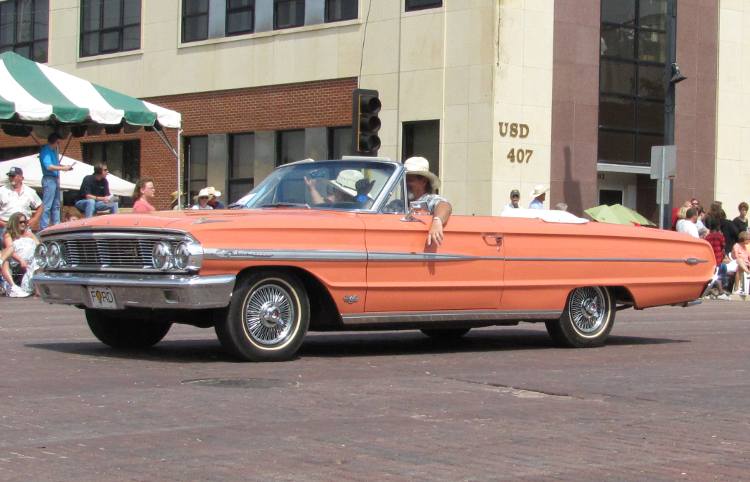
(515, 196)
(350, 186)
(213, 198)
(202, 200)
(51, 168)
(17, 197)
(421, 185)
(538, 195)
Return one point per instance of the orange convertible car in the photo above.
(335, 245)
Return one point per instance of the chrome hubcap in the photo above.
(269, 314)
(587, 310)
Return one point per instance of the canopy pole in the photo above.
(179, 171)
(166, 142)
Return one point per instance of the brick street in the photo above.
(667, 399)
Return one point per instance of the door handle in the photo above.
(493, 239)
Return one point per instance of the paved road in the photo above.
(668, 398)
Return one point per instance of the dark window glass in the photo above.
(617, 112)
(422, 138)
(338, 10)
(240, 16)
(194, 20)
(618, 11)
(288, 13)
(9, 153)
(339, 142)
(617, 77)
(616, 147)
(290, 146)
(241, 165)
(632, 79)
(196, 167)
(24, 28)
(110, 26)
(422, 4)
(123, 158)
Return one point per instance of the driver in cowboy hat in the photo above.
(421, 184)
(538, 195)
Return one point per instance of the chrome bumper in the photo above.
(137, 290)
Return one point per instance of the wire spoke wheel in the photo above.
(269, 314)
(587, 310)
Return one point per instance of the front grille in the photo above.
(109, 253)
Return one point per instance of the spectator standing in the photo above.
(538, 195)
(202, 200)
(688, 225)
(51, 168)
(16, 197)
(213, 198)
(741, 220)
(728, 229)
(677, 211)
(143, 194)
(515, 197)
(740, 254)
(717, 242)
(94, 195)
(19, 237)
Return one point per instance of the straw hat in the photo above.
(175, 195)
(539, 189)
(346, 181)
(213, 192)
(419, 166)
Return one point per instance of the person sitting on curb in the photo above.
(19, 237)
(94, 195)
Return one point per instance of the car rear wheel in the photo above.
(267, 318)
(122, 332)
(587, 320)
(445, 334)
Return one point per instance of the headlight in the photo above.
(181, 256)
(40, 255)
(161, 255)
(54, 255)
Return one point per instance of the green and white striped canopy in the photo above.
(35, 93)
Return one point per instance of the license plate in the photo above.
(102, 298)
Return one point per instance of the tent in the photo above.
(69, 180)
(37, 99)
(617, 214)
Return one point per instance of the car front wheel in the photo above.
(127, 333)
(267, 318)
(587, 320)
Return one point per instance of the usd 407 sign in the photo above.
(520, 131)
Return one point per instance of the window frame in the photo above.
(327, 15)
(433, 4)
(331, 136)
(229, 10)
(30, 44)
(185, 16)
(133, 145)
(276, 4)
(279, 134)
(231, 179)
(120, 28)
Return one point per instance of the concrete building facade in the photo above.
(497, 94)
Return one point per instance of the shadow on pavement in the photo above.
(349, 344)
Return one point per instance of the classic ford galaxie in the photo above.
(335, 245)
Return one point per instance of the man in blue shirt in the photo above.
(51, 168)
(538, 195)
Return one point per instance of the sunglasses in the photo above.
(23, 222)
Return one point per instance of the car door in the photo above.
(404, 274)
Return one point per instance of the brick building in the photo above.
(497, 95)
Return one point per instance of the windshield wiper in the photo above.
(286, 205)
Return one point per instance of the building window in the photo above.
(338, 10)
(241, 165)
(411, 5)
(632, 79)
(422, 138)
(196, 165)
(123, 158)
(194, 20)
(240, 17)
(290, 146)
(339, 142)
(24, 28)
(288, 13)
(109, 26)
(10, 153)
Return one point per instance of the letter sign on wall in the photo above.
(516, 131)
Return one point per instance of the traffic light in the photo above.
(365, 121)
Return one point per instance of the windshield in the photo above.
(347, 185)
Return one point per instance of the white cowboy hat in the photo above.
(539, 189)
(346, 181)
(420, 166)
(213, 192)
(202, 193)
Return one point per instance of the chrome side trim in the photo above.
(428, 257)
(441, 316)
(283, 255)
(690, 261)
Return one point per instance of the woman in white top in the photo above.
(19, 237)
